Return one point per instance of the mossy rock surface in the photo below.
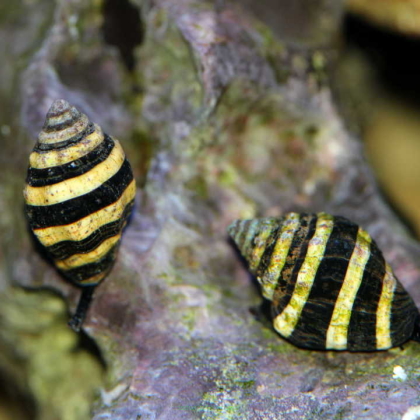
(221, 120)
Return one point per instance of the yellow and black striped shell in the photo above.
(328, 281)
(79, 193)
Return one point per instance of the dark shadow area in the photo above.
(262, 314)
(89, 344)
(392, 55)
(16, 403)
(123, 28)
(85, 342)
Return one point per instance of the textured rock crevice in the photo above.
(229, 123)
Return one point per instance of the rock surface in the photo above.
(221, 120)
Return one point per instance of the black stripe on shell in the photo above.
(311, 328)
(47, 147)
(69, 122)
(294, 261)
(268, 251)
(49, 176)
(402, 328)
(84, 272)
(362, 327)
(65, 249)
(76, 208)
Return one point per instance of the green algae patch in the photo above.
(170, 74)
(233, 386)
(63, 377)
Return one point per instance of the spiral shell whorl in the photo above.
(79, 194)
(253, 237)
(328, 281)
(63, 122)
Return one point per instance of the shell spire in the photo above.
(253, 237)
(79, 194)
(60, 112)
(62, 123)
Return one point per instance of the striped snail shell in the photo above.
(79, 193)
(328, 282)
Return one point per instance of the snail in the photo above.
(328, 282)
(78, 195)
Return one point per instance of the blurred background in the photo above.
(376, 83)
(378, 78)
